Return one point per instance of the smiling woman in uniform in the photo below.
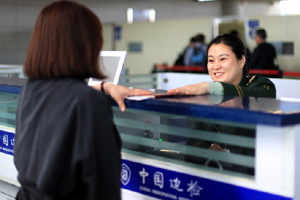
(228, 67)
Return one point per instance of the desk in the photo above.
(155, 148)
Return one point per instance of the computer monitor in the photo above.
(111, 64)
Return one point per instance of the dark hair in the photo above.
(236, 45)
(65, 42)
(200, 38)
(234, 32)
(261, 33)
(193, 39)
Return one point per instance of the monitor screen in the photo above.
(111, 64)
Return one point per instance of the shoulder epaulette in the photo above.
(252, 78)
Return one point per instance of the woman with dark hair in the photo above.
(66, 144)
(228, 67)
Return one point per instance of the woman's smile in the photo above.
(219, 74)
(223, 66)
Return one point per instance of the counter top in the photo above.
(248, 110)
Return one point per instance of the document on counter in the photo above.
(154, 96)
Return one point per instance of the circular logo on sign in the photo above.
(125, 174)
(252, 33)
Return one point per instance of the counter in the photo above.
(156, 134)
(161, 160)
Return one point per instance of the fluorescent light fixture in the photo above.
(140, 15)
(205, 0)
(129, 15)
(290, 7)
(152, 15)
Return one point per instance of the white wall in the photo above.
(162, 41)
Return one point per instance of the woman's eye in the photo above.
(210, 61)
(223, 58)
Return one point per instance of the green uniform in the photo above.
(255, 86)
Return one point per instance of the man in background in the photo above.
(264, 54)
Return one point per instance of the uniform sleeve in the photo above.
(216, 88)
(261, 87)
(100, 149)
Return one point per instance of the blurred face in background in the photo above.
(259, 40)
(223, 65)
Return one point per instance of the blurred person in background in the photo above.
(196, 54)
(264, 54)
(180, 59)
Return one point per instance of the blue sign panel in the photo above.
(10, 88)
(167, 184)
(253, 25)
(118, 33)
(7, 142)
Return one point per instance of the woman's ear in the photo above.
(242, 62)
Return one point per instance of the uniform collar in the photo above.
(244, 81)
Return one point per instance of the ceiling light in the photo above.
(205, 0)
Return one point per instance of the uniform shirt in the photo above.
(263, 57)
(66, 144)
(253, 86)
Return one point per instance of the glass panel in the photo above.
(176, 139)
(188, 141)
(8, 109)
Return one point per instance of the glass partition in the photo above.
(8, 109)
(183, 140)
(189, 141)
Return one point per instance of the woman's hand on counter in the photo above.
(195, 89)
(119, 93)
(216, 147)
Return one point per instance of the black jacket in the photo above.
(263, 57)
(66, 144)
